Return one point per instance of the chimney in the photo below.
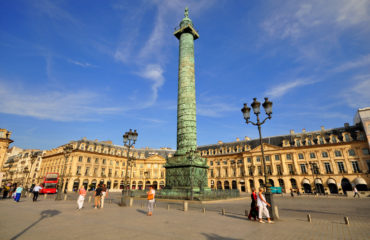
(237, 139)
(346, 125)
(291, 132)
(220, 142)
(304, 130)
(322, 128)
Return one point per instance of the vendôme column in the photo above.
(186, 171)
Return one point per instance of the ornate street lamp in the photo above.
(129, 139)
(67, 150)
(267, 105)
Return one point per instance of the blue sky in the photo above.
(95, 69)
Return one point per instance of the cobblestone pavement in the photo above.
(49, 219)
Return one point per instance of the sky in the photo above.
(95, 69)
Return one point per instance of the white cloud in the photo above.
(154, 73)
(53, 105)
(218, 109)
(357, 94)
(81, 64)
(283, 88)
(363, 61)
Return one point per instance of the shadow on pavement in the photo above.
(213, 236)
(308, 211)
(43, 214)
(141, 211)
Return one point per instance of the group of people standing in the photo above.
(259, 206)
(100, 193)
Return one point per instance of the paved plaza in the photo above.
(49, 219)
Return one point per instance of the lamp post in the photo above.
(129, 139)
(67, 150)
(267, 105)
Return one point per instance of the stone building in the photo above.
(5, 141)
(22, 166)
(330, 161)
(94, 162)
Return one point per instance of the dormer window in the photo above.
(333, 139)
(347, 138)
(297, 143)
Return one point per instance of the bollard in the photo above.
(89, 199)
(131, 201)
(204, 210)
(223, 211)
(346, 220)
(246, 213)
(65, 197)
(185, 206)
(309, 217)
(168, 206)
(45, 195)
(276, 212)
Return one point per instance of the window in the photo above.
(268, 168)
(240, 161)
(333, 139)
(123, 163)
(365, 151)
(324, 154)
(337, 153)
(218, 163)
(341, 167)
(103, 171)
(259, 170)
(355, 167)
(80, 158)
(251, 172)
(241, 169)
(346, 137)
(309, 142)
(303, 169)
(327, 167)
(290, 167)
(211, 172)
(78, 170)
(87, 171)
(249, 159)
(104, 161)
(315, 168)
(351, 152)
(312, 155)
(95, 170)
(258, 159)
(88, 160)
(297, 143)
(117, 163)
(96, 160)
(110, 162)
(300, 156)
(321, 140)
(224, 162)
(267, 158)
(368, 165)
(232, 161)
(278, 168)
(277, 157)
(289, 156)
(211, 163)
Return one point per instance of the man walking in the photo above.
(97, 195)
(262, 207)
(35, 192)
(151, 200)
(81, 197)
(356, 192)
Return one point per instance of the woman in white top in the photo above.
(262, 207)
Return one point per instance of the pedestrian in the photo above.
(97, 194)
(262, 207)
(36, 189)
(12, 189)
(291, 192)
(151, 200)
(104, 195)
(254, 209)
(18, 193)
(81, 197)
(5, 191)
(356, 192)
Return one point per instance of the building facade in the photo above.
(22, 166)
(5, 141)
(326, 161)
(94, 162)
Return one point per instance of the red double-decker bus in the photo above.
(50, 183)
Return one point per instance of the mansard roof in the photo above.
(278, 140)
